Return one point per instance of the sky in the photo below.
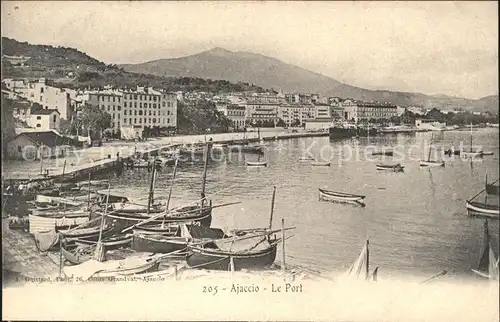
(428, 47)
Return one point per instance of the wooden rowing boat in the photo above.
(108, 243)
(339, 196)
(320, 164)
(430, 163)
(153, 243)
(87, 233)
(257, 164)
(482, 209)
(389, 153)
(391, 167)
(84, 250)
(112, 268)
(244, 253)
(42, 224)
(182, 215)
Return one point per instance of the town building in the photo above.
(296, 114)
(138, 108)
(40, 92)
(235, 113)
(355, 111)
(36, 145)
(44, 120)
(322, 111)
(262, 109)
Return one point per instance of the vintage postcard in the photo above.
(247, 160)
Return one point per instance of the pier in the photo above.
(98, 159)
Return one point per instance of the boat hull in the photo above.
(217, 260)
(471, 154)
(475, 208)
(43, 224)
(156, 244)
(256, 164)
(492, 189)
(320, 164)
(339, 196)
(431, 163)
(393, 168)
(123, 220)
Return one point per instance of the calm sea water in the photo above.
(416, 221)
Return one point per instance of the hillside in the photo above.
(72, 68)
(47, 61)
(269, 72)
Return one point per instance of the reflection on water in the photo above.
(416, 220)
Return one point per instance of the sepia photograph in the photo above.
(250, 160)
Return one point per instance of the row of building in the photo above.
(298, 109)
(131, 109)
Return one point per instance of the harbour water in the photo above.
(416, 221)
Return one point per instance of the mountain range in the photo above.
(268, 72)
(230, 70)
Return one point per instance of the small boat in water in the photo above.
(390, 167)
(330, 195)
(389, 153)
(320, 164)
(482, 209)
(487, 152)
(488, 263)
(256, 163)
(471, 153)
(428, 162)
(306, 158)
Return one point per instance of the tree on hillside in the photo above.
(435, 114)
(201, 117)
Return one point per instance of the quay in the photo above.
(20, 255)
(101, 159)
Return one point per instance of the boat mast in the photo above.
(172, 185)
(272, 208)
(88, 195)
(430, 146)
(151, 187)
(367, 273)
(486, 188)
(471, 137)
(204, 180)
